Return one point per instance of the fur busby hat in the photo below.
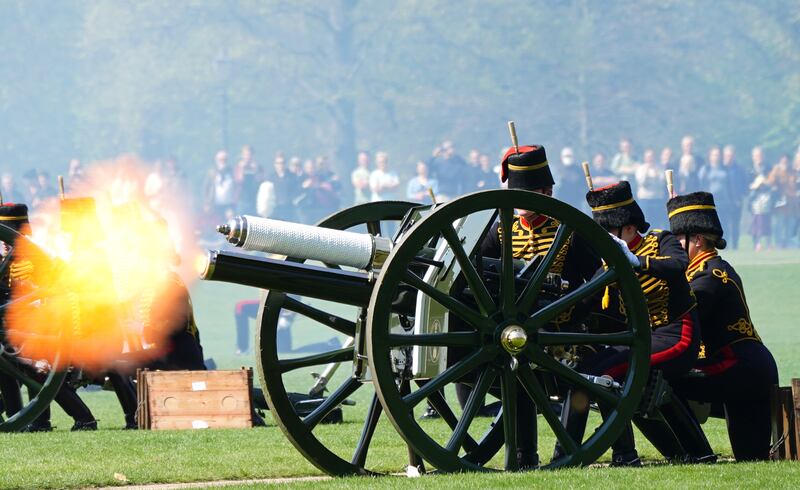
(613, 206)
(14, 215)
(695, 214)
(526, 170)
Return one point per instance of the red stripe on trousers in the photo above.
(727, 362)
(687, 326)
(247, 302)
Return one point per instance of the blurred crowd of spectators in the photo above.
(753, 194)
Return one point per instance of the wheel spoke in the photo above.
(439, 404)
(570, 376)
(414, 459)
(335, 322)
(373, 415)
(508, 394)
(456, 307)
(507, 290)
(374, 228)
(13, 371)
(474, 281)
(434, 339)
(579, 338)
(330, 403)
(531, 292)
(541, 317)
(449, 375)
(474, 402)
(534, 389)
(339, 355)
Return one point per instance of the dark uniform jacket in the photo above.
(169, 309)
(576, 262)
(662, 277)
(724, 316)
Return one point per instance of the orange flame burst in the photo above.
(112, 257)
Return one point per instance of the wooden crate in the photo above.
(194, 399)
(786, 421)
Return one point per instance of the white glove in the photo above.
(633, 259)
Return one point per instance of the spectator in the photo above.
(794, 201)
(601, 175)
(450, 171)
(30, 188)
(716, 179)
(247, 175)
(75, 174)
(651, 190)
(265, 199)
(780, 178)
(666, 159)
(46, 188)
(383, 182)
(360, 178)
(624, 164)
(487, 178)
(317, 196)
(286, 185)
(685, 178)
(761, 201)
(417, 189)
(329, 185)
(474, 173)
(571, 188)
(687, 149)
(739, 189)
(296, 167)
(218, 191)
(9, 189)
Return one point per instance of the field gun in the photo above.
(427, 311)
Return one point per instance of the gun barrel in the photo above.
(359, 250)
(348, 287)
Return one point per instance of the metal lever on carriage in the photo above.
(321, 380)
(604, 381)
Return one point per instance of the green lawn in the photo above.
(62, 459)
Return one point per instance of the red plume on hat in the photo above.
(526, 169)
(504, 163)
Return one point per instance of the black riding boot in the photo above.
(660, 435)
(574, 415)
(126, 395)
(623, 451)
(12, 396)
(688, 431)
(527, 435)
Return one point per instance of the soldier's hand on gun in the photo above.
(623, 245)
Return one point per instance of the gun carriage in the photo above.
(431, 312)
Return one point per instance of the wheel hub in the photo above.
(513, 339)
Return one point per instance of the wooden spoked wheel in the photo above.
(505, 346)
(278, 371)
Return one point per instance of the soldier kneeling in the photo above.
(737, 370)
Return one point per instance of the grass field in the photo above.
(62, 459)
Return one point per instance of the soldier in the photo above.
(19, 274)
(532, 234)
(660, 264)
(738, 370)
(168, 310)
